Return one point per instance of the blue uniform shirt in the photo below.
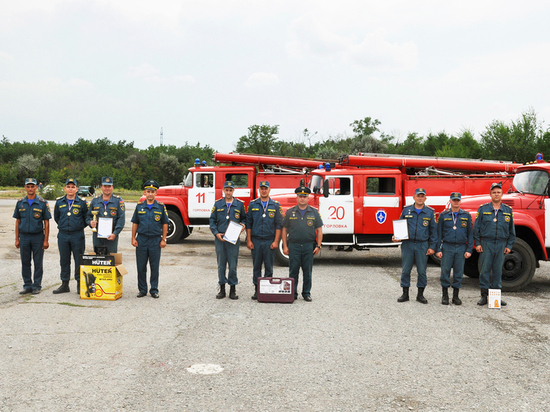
(422, 226)
(32, 216)
(503, 229)
(220, 216)
(301, 227)
(74, 222)
(463, 234)
(264, 227)
(115, 210)
(150, 221)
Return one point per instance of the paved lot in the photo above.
(354, 348)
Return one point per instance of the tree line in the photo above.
(51, 163)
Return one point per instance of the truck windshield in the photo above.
(316, 184)
(188, 182)
(531, 181)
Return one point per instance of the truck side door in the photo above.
(381, 203)
(337, 209)
(202, 195)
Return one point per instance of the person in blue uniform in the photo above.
(32, 230)
(264, 221)
(70, 215)
(455, 243)
(302, 237)
(227, 209)
(422, 228)
(494, 236)
(150, 222)
(111, 206)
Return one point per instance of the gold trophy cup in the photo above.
(95, 213)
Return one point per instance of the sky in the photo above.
(204, 71)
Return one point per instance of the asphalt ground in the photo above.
(353, 348)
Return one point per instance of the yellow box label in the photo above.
(100, 282)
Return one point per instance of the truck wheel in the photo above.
(435, 259)
(471, 268)
(280, 257)
(175, 227)
(518, 267)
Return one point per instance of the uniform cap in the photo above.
(264, 183)
(456, 195)
(107, 181)
(30, 181)
(495, 185)
(150, 184)
(229, 183)
(71, 180)
(302, 190)
(420, 191)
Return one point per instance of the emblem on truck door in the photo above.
(381, 216)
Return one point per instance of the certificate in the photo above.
(104, 227)
(400, 229)
(233, 232)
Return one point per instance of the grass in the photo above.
(19, 192)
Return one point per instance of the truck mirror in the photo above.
(325, 188)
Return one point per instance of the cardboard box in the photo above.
(101, 276)
(494, 298)
(280, 290)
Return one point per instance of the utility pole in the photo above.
(161, 136)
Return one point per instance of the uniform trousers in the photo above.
(30, 247)
(491, 260)
(148, 250)
(453, 258)
(262, 254)
(414, 252)
(301, 255)
(228, 256)
(70, 242)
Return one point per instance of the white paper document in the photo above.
(104, 227)
(400, 229)
(233, 231)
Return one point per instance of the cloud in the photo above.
(144, 70)
(185, 78)
(260, 80)
(308, 38)
(6, 56)
(79, 83)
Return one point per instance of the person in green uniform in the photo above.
(302, 236)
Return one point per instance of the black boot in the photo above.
(255, 295)
(64, 288)
(221, 293)
(445, 296)
(502, 303)
(78, 286)
(233, 293)
(405, 296)
(420, 296)
(483, 300)
(456, 299)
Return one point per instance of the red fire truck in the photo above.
(189, 204)
(359, 201)
(528, 195)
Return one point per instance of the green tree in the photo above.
(516, 141)
(259, 140)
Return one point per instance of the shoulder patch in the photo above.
(160, 203)
(60, 197)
